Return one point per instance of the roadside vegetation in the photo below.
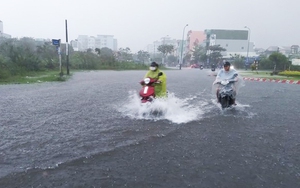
(28, 61)
(267, 74)
(273, 66)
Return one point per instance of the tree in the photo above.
(165, 49)
(280, 61)
(215, 53)
(199, 54)
(47, 53)
(107, 57)
(237, 61)
(124, 54)
(98, 51)
(143, 55)
(172, 60)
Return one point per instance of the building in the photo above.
(106, 41)
(194, 38)
(285, 50)
(2, 34)
(234, 41)
(152, 48)
(294, 49)
(1, 26)
(85, 42)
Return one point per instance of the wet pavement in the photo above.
(91, 132)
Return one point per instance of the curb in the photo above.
(273, 80)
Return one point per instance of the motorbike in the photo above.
(201, 67)
(147, 93)
(227, 93)
(213, 68)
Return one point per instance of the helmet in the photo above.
(226, 64)
(153, 64)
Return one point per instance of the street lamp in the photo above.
(248, 45)
(182, 46)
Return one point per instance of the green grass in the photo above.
(266, 74)
(35, 77)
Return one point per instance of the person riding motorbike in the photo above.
(213, 67)
(161, 86)
(226, 74)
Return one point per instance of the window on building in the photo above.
(242, 48)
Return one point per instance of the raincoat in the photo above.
(160, 88)
(226, 75)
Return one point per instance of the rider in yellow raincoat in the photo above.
(161, 87)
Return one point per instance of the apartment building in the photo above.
(85, 42)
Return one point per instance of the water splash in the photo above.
(174, 109)
(238, 110)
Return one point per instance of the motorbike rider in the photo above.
(226, 74)
(161, 85)
(213, 67)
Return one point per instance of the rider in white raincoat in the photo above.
(226, 74)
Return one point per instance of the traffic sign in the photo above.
(56, 42)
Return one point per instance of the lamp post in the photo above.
(182, 47)
(248, 45)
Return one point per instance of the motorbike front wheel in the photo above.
(224, 102)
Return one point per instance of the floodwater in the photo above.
(91, 131)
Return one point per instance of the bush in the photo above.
(4, 74)
(289, 73)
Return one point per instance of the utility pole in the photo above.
(248, 46)
(181, 58)
(67, 49)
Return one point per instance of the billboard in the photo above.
(295, 61)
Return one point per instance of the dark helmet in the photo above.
(153, 64)
(226, 64)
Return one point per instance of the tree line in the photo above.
(275, 61)
(20, 56)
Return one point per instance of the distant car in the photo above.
(195, 66)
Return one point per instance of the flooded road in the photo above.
(91, 132)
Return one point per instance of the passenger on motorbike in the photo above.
(161, 86)
(226, 74)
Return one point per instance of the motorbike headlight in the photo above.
(147, 80)
(224, 82)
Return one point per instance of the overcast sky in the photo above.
(137, 23)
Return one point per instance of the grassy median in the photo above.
(35, 77)
(266, 74)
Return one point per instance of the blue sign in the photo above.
(56, 42)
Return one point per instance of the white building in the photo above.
(84, 42)
(152, 48)
(2, 34)
(234, 41)
(1, 26)
(106, 41)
